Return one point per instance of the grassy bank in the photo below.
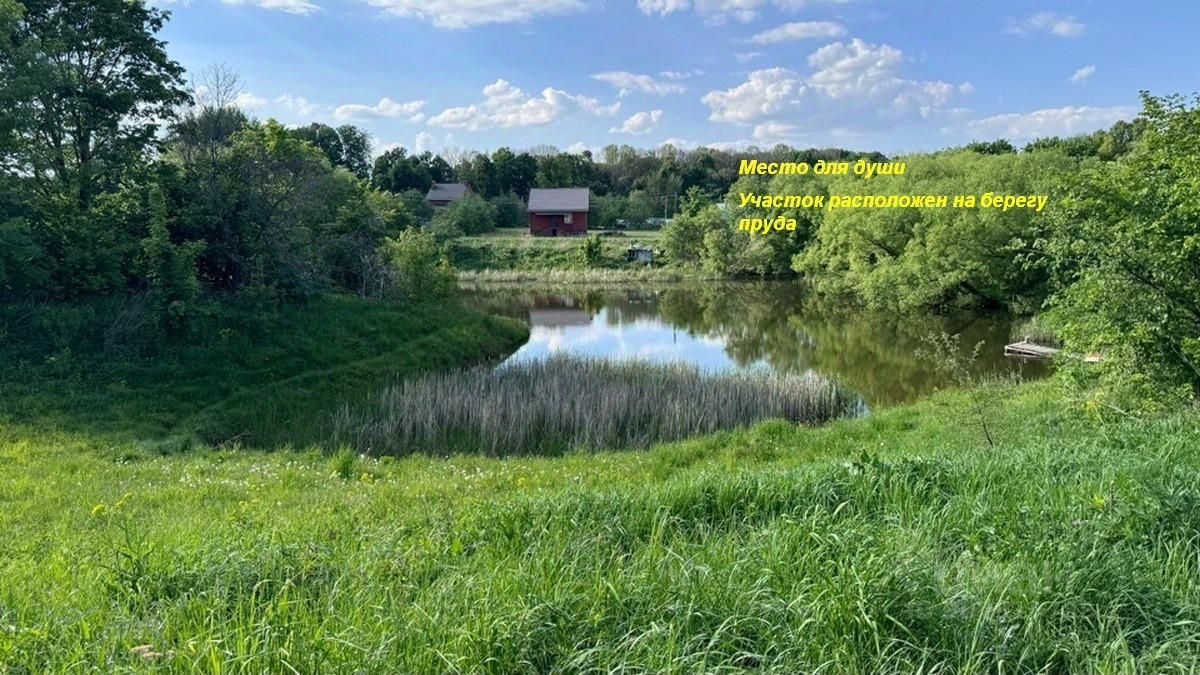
(251, 376)
(895, 543)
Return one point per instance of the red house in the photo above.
(559, 212)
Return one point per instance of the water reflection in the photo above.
(774, 325)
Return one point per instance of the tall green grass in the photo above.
(1036, 330)
(559, 404)
(895, 543)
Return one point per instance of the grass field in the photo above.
(894, 543)
(513, 250)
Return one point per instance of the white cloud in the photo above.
(298, 105)
(580, 148)
(247, 101)
(764, 93)
(1066, 121)
(679, 143)
(716, 11)
(743, 57)
(1052, 23)
(677, 75)
(775, 132)
(799, 30)
(507, 106)
(1083, 74)
(639, 123)
(467, 13)
(301, 7)
(385, 109)
(424, 142)
(626, 83)
(854, 81)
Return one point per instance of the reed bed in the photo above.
(469, 279)
(551, 406)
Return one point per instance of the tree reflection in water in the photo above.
(776, 325)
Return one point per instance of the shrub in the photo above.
(509, 210)
(419, 267)
(471, 215)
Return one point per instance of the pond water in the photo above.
(758, 325)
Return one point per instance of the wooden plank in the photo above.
(1029, 350)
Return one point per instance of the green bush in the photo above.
(421, 271)
(1126, 247)
(470, 215)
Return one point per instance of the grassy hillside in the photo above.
(246, 372)
(894, 543)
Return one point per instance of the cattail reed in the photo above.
(551, 406)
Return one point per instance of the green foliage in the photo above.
(396, 171)
(591, 251)
(346, 146)
(169, 269)
(912, 258)
(510, 211)
(1126, 248)
(416, 258)
(683, 237)
(414, 202)
(469, 215)
(80, 124)
(23, 266)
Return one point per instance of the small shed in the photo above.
(639, 253)
(559, 212)
(442, 194)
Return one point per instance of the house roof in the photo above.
(559, 199)
(446, 192)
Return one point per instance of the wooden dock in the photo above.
(1029, 350)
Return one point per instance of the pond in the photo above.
(752, 325)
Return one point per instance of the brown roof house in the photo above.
(441, 194)
(559, 212)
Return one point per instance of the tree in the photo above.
(95, 84)
(515, 173)
(281, 189)
(469, 215)
(346, 146)
(169, 268)
(420, 269)
(395, 171)
(205, 128)
(509, 210)
(1126, 249)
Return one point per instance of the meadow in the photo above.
(514, 250)
(552, 406)
(897, 542)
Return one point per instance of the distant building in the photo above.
(559, 212)
(441, 194)
(639, 253)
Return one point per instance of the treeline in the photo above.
(1113, 263)
(118, 178)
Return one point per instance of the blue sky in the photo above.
(863, 74)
